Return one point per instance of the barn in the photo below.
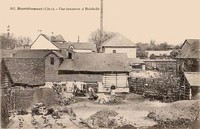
(97, 70)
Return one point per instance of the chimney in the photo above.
(78, 39)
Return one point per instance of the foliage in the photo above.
(7, 43)
(141, 54)
(142, 47)
(12, 41)
(152, 56)
(164, 87)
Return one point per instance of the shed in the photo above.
(190, 85)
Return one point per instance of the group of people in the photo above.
(91, 92)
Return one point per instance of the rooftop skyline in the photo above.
(170, 21)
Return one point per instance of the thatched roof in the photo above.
(96, 62)
(26, 71)
(190, 49)
(118, 41)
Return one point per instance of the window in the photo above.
(70, 55)
(52, 61)
(114, 51)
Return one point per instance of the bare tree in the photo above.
(95, 37)
(22, 41)
(7, 42)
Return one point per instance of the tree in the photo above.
(152, 56)
(7, 43)
(141, 54)
(23, 41)
(12, 41)
(95, 37)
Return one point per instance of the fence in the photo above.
(165, 88)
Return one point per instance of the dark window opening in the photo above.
(70, 55)
(114, 51)
(52, 61)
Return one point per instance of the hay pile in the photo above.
(107, 119)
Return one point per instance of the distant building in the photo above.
(158, 54)
(78, 47)
(119, 44)
(136, 64)
(44, 42)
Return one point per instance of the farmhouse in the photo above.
(97, 70)
(120, 44)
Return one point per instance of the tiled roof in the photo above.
(118, 41)
(31, 53)
(190, 49)
(35, 53)
(25, 71)
(96, 62)
(76, 45)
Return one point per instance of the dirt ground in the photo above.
(133, 107)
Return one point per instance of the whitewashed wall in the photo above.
(131, 52)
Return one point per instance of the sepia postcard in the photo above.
(100, 64)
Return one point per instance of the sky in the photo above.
(170, 21)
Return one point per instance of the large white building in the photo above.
(120, 44)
